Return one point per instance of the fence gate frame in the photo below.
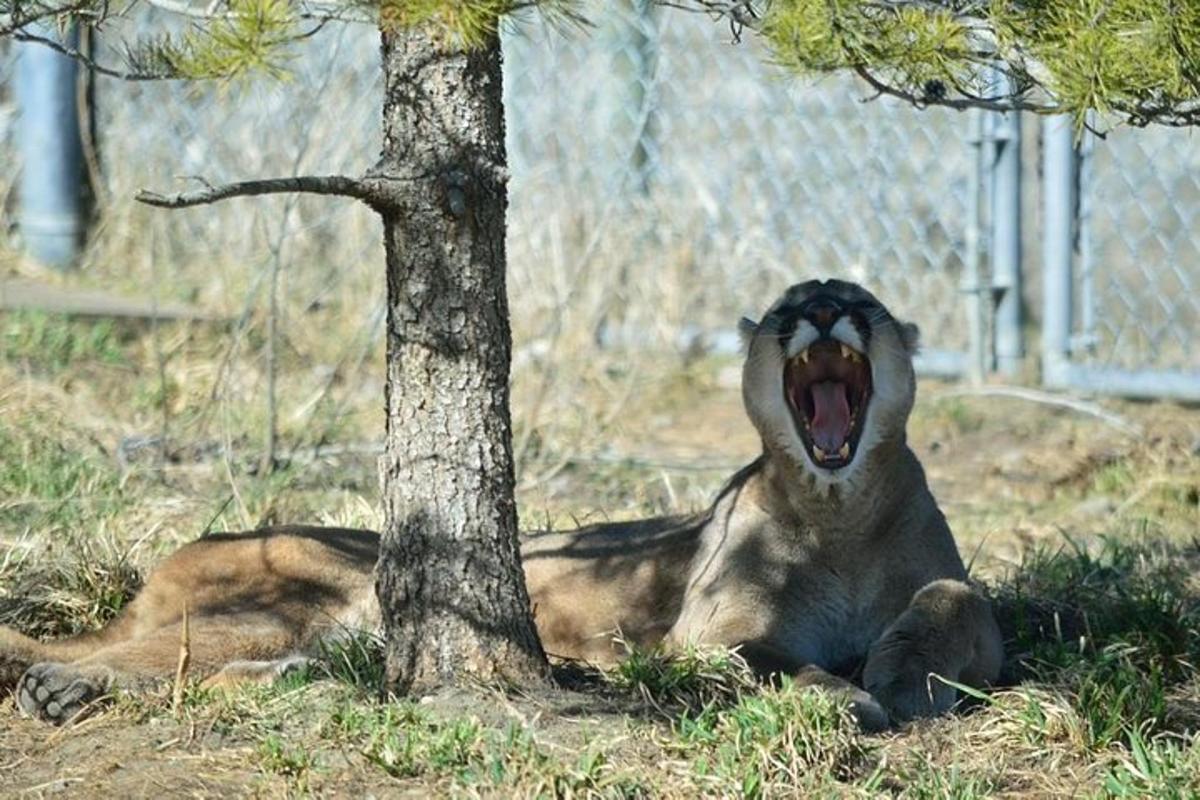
(1066, 165)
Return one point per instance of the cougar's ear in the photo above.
(910, 335)
(746, 330)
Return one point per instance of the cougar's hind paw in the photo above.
(58, 693)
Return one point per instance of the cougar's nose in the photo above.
(822, 312)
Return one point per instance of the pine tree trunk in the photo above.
(449, 577)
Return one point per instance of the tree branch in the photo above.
(1004, 103)
(71, 52)
(374, 191)
(15, 21)
(1180, 115)
(309, 11)
(741, 14)
(1032, 87)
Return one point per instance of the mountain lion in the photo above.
(826, 558)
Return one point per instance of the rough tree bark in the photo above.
(449, 578)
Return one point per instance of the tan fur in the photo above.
(827, 575)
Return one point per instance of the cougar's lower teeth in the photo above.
(845, 451)
(819, 453)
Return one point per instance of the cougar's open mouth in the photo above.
(828, 388)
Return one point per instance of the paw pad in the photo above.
(56, 693)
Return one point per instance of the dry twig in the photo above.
(185, 660)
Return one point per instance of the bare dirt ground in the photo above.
(83, 508)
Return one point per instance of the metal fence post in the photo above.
(1058, 193)
(50, 214)
(1005, 242)
(1084, 339)
(973, 285)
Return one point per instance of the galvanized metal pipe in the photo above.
(1146, 384)
(972, 282)
(50, 207)
(1009, 346)
(1058, 190)
(1085, 340)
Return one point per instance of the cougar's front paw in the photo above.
(906, 681)
(58, 693)
(869, 712)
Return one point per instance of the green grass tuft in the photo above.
(356, 660)
(774, 741)
(1164, 768)
(48, 483)
(283, 758)
(406, 742)
(929, 781)
(694, 678)
(1113, 631)
(87, 582)
(54, 342)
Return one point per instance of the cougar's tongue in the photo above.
(831, 416)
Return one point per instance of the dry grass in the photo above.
(120, 441)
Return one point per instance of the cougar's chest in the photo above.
(827, 617)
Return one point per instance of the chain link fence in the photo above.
(715, 168)
(164, 135)
(1119, 258)
(664, 180)
(1139, 304)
